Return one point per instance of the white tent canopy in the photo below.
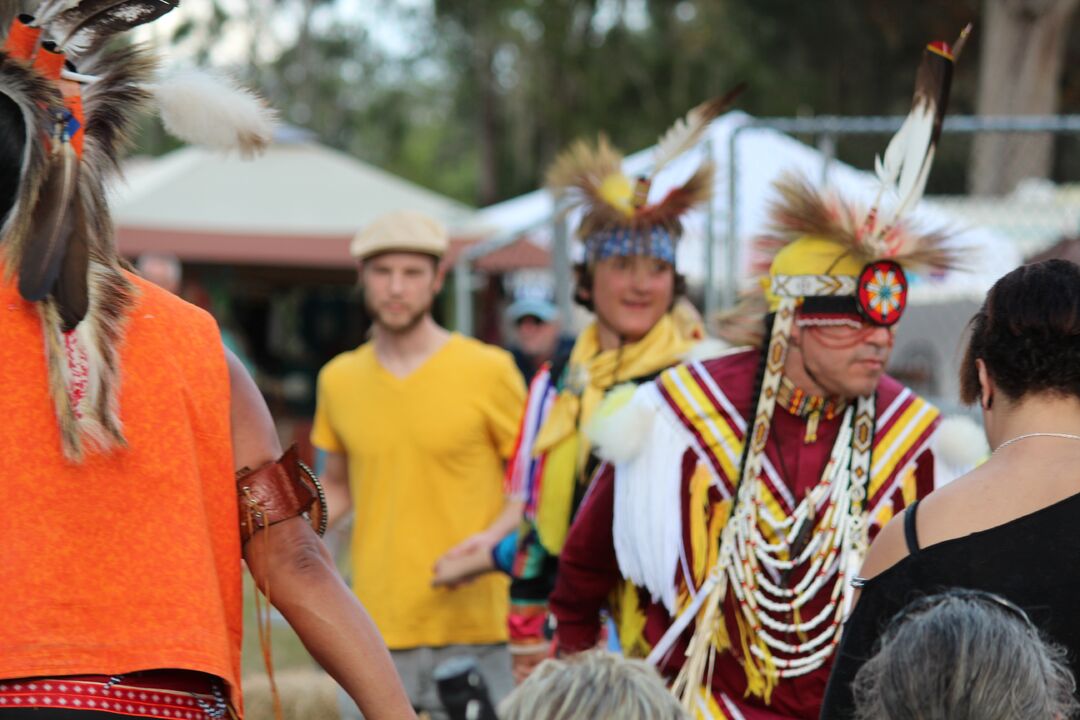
(299, 203)
(762, 155)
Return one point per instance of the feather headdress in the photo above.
(819, 244)
(57, 237)
(615, 208)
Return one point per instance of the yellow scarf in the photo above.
(591, 372)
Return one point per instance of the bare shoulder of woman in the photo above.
(887, 549)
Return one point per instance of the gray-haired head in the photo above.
(964, 655)
(592, 686)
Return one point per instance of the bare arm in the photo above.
(289, 562)
(475, 555)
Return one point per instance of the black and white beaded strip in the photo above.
(219, 709)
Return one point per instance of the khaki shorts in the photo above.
(416, 667)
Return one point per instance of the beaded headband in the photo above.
(656, 243)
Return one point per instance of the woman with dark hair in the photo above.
(1009, 526)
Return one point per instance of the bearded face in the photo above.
(399, 289)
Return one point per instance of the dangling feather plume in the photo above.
(92, 22)
(687, 132)
(71, 290)
(51, 224)
(207, 109)
(34, 96)
(905, 167)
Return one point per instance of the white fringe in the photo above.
(647, 524)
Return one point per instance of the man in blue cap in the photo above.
(538, 334)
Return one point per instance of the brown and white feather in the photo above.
(687, 132)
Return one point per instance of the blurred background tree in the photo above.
(473, 98)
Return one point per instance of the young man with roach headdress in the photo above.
(129, 430)
(740, 493)
(628, 279)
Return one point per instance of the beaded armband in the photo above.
(278, 491)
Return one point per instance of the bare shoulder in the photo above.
(887, 549)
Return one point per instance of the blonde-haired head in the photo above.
(593, 686)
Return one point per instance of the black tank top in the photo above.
(1033, 560)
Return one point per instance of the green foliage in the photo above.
(473, 98)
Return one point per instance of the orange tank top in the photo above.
(131, 560)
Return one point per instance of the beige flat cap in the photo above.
(403, 231)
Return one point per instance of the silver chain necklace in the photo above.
(1018, 438)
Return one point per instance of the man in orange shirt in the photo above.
(125, 420)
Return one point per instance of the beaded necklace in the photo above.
(812, 407)
(758, 550)
(757, 546)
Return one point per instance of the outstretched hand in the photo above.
(465, 561)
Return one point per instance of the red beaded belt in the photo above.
(160, 694)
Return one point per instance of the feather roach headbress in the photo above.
(882, 231)
(615, 209)
(58, 238)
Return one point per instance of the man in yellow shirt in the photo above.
(414, 428)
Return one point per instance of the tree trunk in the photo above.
(486, 119)
(1020, 72)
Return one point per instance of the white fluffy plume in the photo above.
(960, 446)
(206, 109)
(620, 425)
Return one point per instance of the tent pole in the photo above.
(731, 249)
(560, 266)
(710, 304)
(463, 310)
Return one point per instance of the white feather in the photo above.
(892, 162)
(905, 167)
(202, 108)
(680, 137)
(915, 148)
(49, 9)
(915, 193)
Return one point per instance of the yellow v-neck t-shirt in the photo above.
(425, 457)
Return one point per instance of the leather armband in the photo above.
(278, 491)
